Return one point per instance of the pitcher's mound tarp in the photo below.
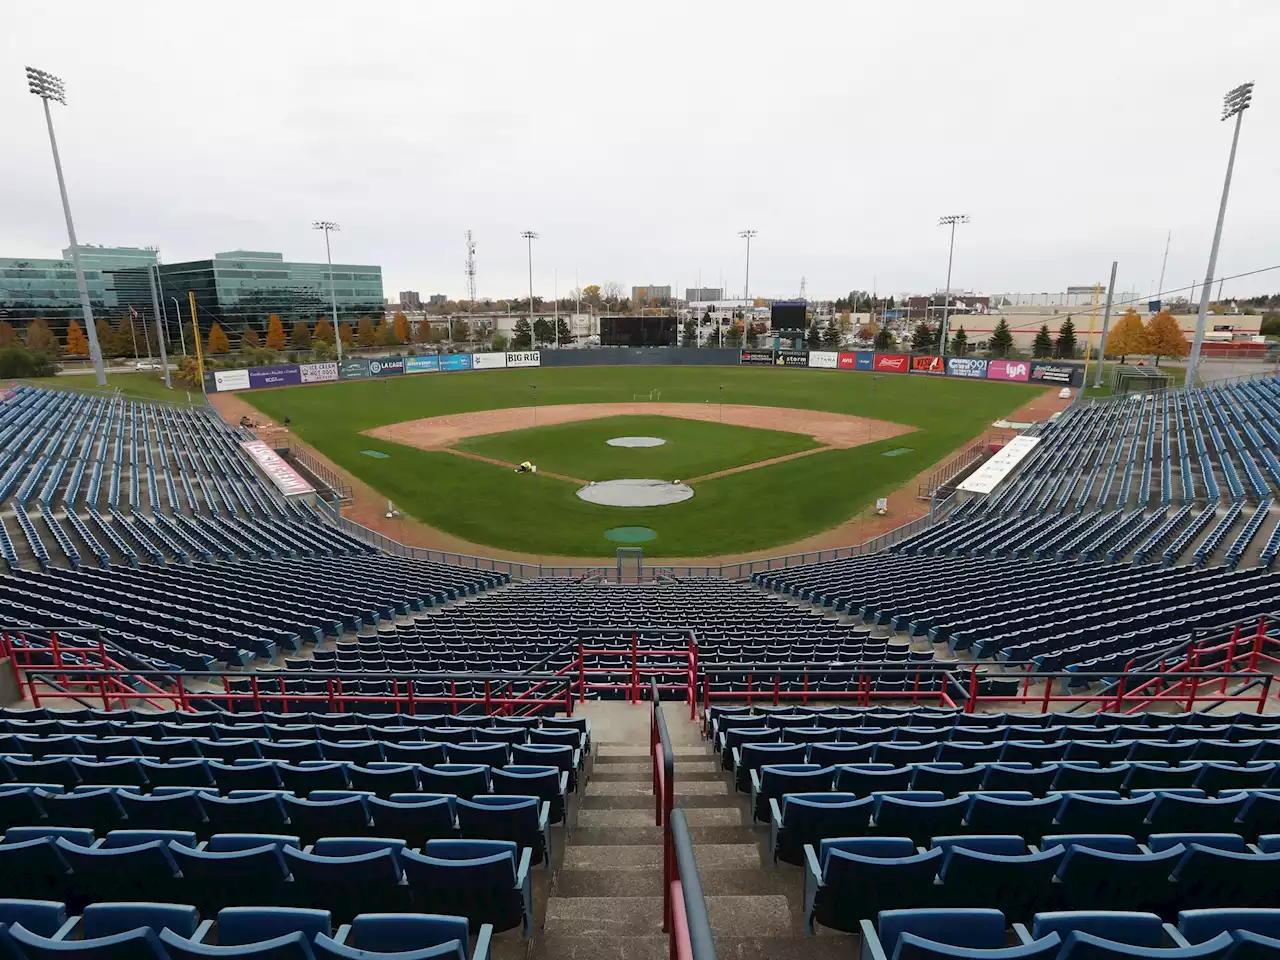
(636, 493)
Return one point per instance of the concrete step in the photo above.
(616, 916)
(611, 883)
(603, 947)
(690, 800)
(834, 947)
(708, 817)
(684, 788)
(643, 773)
(613, 836)
(619, 752)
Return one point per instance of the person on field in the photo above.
(526, 467)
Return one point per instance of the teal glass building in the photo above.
(116, 278)
(242, 288)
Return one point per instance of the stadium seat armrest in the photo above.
(1172, 935)
(202, 932)
(775, 825)
(68, 927)
(872, 948)
(544, 827)
(340, 935)
(755, 791)
(1021, 933)
(812, 881)
(524, 883)
(483, 939)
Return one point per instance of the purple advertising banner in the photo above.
(278, 376)
(1008, 370)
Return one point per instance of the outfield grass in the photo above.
(148, 385)
(754, 509)
(693, 448)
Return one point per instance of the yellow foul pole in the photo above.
(195, 329)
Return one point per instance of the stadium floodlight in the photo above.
(1234, 104)
(329, 226)
(48, 87)
(530, 236)
(746, 283)
(950, 220)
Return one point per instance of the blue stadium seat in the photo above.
(523, 820)
(138, 944)
(411, 936)
(348, 884)
(971, 933)
(479, 879)
(847, 880)
(251, 877)
(415, 817)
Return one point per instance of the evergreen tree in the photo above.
(1066, 345)
(461, 331)
(1042, 346)
(1001, 342)
(544, 330)
(959, 342)
(563, 334)
(126, 338)
(689, 337)
(301, 337)
(813, 339)
(522, 338)
(831, 335)
(884, 339)
(922, 339)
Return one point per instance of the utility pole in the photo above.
(1164, 263)
(471, 271)
(1235, 103)
(1106, 322)
(746, 284)
(48, 87)
(160, 325)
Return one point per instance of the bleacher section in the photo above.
(96, 481)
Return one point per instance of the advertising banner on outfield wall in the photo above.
(280, 375)
(527, 358)
(892, 363)
(488, 361)
(421, 364)
(231, 379)
(455, 361)
(318, 372)
(824, 359)
(928, 365)
(386, 366)
(1052, 372)
(756, 356)
(973, 367)
(792, 358)
(356, 368)
(848, 361)
(1008, 370)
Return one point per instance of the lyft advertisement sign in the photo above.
(1008, 370)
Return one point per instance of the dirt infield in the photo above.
(832, 430)
(369, 505)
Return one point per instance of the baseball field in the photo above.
(772, 455)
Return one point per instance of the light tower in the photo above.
(328, 226)
(471, 270)
(951, 220)
(530, 236)
(746, 283)
(1234, 104)
(48, 87)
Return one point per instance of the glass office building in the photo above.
(242, 288)
(116, 278)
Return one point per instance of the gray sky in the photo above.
(638, 139)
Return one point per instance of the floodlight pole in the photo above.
(1235, 104)
(746, 283)
(953, 219)
(182, 334)
(48, 87)
(327, 226)
(530, 236)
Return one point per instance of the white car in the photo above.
(144, 365)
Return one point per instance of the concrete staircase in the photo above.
(605, 899)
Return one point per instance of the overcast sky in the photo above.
(638, 139)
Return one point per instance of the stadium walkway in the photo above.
(605, 899)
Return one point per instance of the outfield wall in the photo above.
(1045, 372)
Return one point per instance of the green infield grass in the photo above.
(754, 509)
(693, 447)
